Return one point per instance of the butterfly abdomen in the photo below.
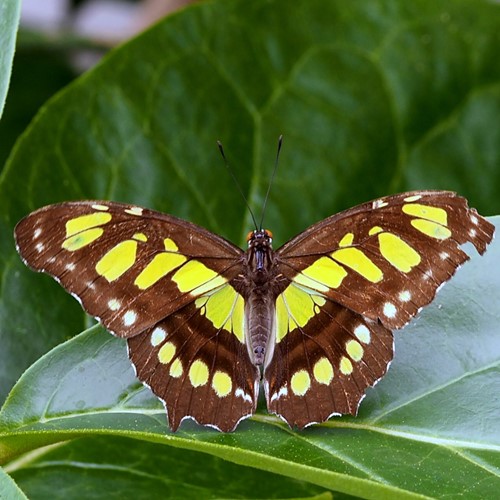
(259, 314)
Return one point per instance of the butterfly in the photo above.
(207, 323)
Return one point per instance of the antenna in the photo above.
(280, 142)
(226, 163)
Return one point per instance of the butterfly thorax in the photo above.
(260, 297)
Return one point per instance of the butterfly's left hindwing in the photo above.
(199, 371)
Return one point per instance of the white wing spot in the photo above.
(379, 204)
(134, 211)
(415, 197)
(239, 392)
(114, 304)
(405, 296)
(78, 299)
(40, 247)
(474, 220)
(70, 267)
(444, 255)
(37, 233)
(102, 208)
(158, 336)
(362, 333)
(129, 318)
(282, 392)
(472, 233)
(390, 310)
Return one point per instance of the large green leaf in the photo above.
(9, 20)
(94, 468)
(34, 63)
(372, 97)
(8, 488)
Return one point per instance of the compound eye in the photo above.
(249, 236)
(268, 234)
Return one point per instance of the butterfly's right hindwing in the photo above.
(323, 366)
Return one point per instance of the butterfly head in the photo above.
(260, 237)
(260, 243)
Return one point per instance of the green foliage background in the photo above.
(372, 98)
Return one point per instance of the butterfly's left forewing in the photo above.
(129, 267)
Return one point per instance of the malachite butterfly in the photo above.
(206, 322)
